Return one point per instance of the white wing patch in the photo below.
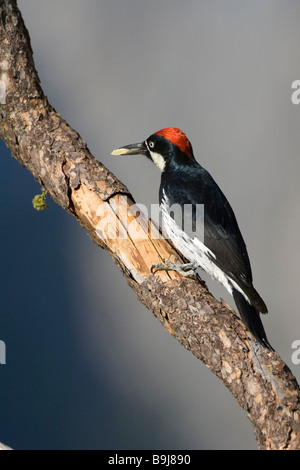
(194, 250)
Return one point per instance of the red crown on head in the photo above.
(177, 137)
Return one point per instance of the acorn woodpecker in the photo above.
(221, 251)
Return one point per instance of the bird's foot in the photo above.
(186, 270)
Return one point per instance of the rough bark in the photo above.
(43, 142)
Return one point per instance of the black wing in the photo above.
(221, 232)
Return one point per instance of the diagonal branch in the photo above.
(43, 142)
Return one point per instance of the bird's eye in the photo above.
(151, 144)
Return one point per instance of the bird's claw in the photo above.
(186, 270)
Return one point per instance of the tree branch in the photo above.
(43, 142)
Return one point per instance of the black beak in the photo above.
(133, 149)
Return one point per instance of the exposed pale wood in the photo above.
(124, 235)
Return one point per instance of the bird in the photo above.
(216, 245)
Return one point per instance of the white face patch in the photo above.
(157, 159)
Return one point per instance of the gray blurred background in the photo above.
(87, 365)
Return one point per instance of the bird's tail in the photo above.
(251, 317)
